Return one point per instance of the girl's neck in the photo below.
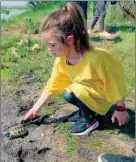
(74, 57)
(73, 54)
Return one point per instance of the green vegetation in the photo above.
(20, 53)
(5, 11)
(36, 17)
(42, 4)
(71, 143)
(21, 60)
(114, 15)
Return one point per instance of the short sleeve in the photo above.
(111, 73)
(58, 80)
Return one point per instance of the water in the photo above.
(14, 12)
(11, 14)
(13, 3)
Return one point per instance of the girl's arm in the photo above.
(38, 105)
(120, 112)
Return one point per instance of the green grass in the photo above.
(36, 16)
(114, 15)
(8, 41)
(69, 141)
(5, 11)
(71, 144)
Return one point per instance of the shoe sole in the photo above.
(94, 126)
(105, 158)
(99, 158)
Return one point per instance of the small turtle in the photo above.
(16, 131)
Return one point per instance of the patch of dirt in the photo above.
(18, 32)
(43, 144)
(36, 36)
(15, 32)
(65, 110)
(124, 146)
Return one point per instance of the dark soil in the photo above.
(43, 141)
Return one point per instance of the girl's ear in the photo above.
(70, 40)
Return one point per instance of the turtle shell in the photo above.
(17, 131)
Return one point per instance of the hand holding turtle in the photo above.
(38, 105)
(30, 114)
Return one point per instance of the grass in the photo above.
(36, 17)
(71, 144)
(69, 141)
(19, 61)
(112, 18)
(5, 11)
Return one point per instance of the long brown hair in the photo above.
(68, 21)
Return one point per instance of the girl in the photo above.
(89, 77)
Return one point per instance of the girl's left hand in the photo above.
(122, 117)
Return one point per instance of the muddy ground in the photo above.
(39, 146)
(44, 143)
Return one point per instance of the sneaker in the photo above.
(83, 126)
(74, 116)
(91, 31)
(115, 158)
(104, 34)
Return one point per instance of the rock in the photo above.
(35, 47)
(65, 110)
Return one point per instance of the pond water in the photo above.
(11, 14)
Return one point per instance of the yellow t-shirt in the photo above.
(97, 80)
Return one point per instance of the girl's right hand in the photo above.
(30, 114)
(39, 104)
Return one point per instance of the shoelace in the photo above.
(80, 121)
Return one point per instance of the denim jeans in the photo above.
(83, 5)
(100, 14)
(83, 109)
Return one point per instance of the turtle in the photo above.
(16, 131)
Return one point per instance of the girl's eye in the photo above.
(53, 45)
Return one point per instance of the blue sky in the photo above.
(13, 3)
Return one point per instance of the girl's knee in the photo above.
(67, 96)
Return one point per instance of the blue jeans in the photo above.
(83, 5)
(100, 14)
(83, 109)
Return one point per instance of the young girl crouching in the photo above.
(90, 78)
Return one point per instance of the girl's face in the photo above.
(57, 48)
